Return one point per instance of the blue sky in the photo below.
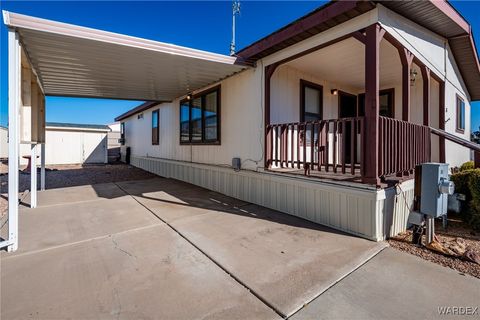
(199, 24)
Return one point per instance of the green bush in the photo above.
(469, 165)
(461, 183)
(473, 214)
(474, 184)
(467, 182)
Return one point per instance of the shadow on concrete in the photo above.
(170, 192)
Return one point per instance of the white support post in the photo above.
(14, 72)
(33, 177)
(42, 167)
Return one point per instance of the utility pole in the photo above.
(235, 12)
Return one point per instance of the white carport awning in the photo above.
(76, 61)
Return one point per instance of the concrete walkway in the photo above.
(161, 248)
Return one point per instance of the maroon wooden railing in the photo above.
(402, 145)
(323, 145)
(475, 147)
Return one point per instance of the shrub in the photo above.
(474, 214)
(461, 183)
(467, 166)
(474, 183)
(467, 182)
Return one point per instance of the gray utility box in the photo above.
(435, 188)
(236, 164)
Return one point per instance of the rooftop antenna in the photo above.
(235, 12)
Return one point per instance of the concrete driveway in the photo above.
(160, 248)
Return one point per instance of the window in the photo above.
(196, 120)
(387, 105)
(311, 101)
(200, 118)
(460, 115)
(155, 127)
(211, 116)
(184, 121)
(122, 133)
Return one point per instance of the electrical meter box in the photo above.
(435, 188)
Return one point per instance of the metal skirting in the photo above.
(397, 205)
(357, 210)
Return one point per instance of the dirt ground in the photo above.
(59, 176)
(456, 229)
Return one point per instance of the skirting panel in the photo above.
(397, 206)
(356, 210)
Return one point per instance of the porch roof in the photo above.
(437, 16)
(144, 106)
(71, 60)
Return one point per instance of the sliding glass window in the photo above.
(200, 118)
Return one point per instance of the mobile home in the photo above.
(329, 121)
(324, 119)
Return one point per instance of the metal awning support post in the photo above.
(14, 71)
(42, 166)
(33, 177)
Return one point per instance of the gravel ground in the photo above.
(60, 176)
(456, 229)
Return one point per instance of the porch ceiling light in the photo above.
(413, 76)
(334, 92)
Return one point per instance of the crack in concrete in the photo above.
(120, 249)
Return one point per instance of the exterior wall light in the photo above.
(413, 76)
(189, 96)
(334, 92)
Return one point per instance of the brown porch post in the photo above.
(269, 70)
(406, 57)
(373, 36)
(441, 120)
(426, 95)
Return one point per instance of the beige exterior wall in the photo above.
(433, 51)
(241, 127)
(285, 94)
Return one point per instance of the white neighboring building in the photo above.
(3, 142)
(68, 143)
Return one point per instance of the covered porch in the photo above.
(358, 108)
